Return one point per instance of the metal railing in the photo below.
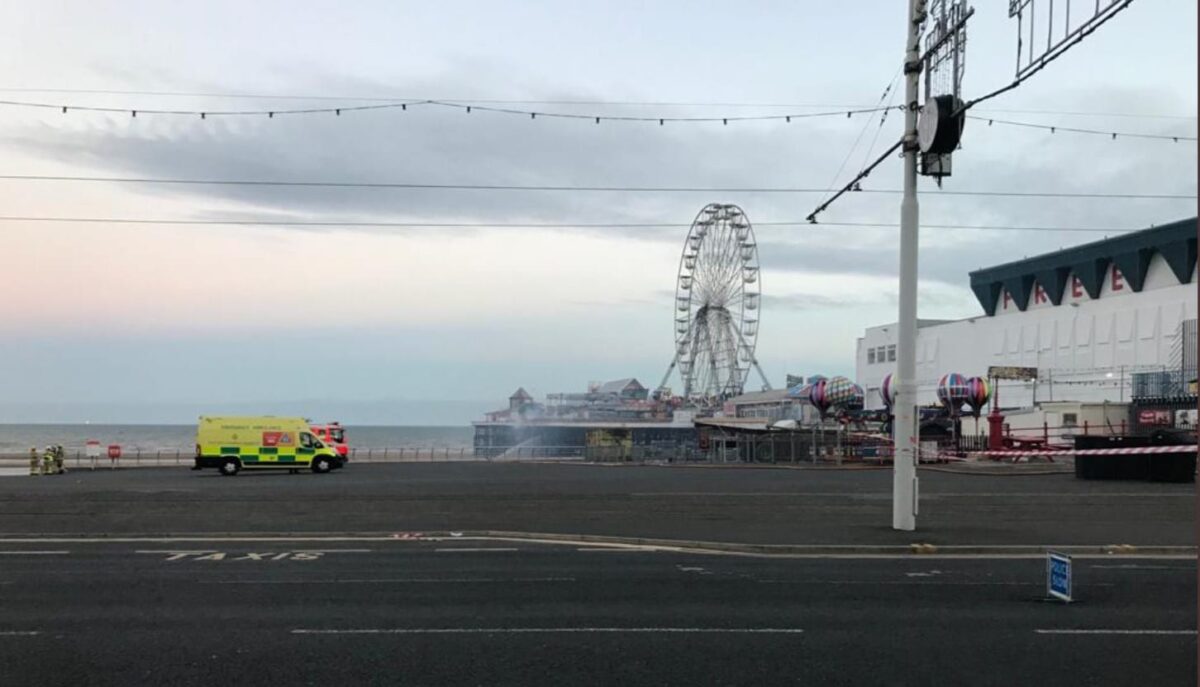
(76, 458)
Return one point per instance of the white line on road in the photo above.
(922, 583)
(552, 630)
(400, 580)
(1142, 567)
(886, 495)
(19, 633)
(475, 549)
(332, 550)
(34, 553)
(1115, 632)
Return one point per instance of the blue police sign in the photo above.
(1058, 575)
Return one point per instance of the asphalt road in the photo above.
(746, 505)
(493, 613)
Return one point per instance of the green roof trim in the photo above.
(1131, 253)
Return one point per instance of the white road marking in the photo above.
(19, 633)
(920, 583)
(946, 553)
(332, 550)
(1131, 566)
(551, 630)
(887, 495)
(621, 549)
(34, 553)
(475, 550)
(400, 580)
(1115, 632)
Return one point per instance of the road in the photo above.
(746, 505)
(167, 576)
(499, 613)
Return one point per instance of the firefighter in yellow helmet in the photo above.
(34, 464)
(48, 460)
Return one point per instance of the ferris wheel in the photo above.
(717, 300)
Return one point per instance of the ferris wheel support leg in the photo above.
(667, 376)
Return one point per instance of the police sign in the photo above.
(1058, 576)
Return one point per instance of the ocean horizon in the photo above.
(20, 437)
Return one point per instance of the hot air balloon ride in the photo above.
(817, 395)
(952, 392)
(842, 393)
(887, 392)
(979, 392)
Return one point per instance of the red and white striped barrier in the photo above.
(1185, 448)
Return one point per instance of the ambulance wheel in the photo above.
(321, 465)
(230, 466)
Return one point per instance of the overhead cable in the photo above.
(568, 188)
(514, 225)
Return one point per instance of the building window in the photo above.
(870, 356)
(880, 354)
(1070, 419)
(892, 353)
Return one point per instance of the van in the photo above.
(282, 443)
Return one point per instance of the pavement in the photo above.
(752, 506)
(518, 574)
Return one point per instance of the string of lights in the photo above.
(566, 102)
(517, 225)
(1076, 130)
(469, 107)
(466, 107)
(575, 189)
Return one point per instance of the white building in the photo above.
(1087, 317)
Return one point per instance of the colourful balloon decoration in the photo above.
(817, 395)
(887, 392)
(952, 392)
(978, 394)
(841, 392)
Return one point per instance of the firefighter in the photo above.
(34, 464)
(48, 461)
(60, 458)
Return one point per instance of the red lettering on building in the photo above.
(1117, 279)
(1076, 288)
(1039, 294)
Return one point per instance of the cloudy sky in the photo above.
(156, 323)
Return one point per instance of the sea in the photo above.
(147, 438)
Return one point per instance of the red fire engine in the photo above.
(333, 435)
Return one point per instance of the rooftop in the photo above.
(1131, 253)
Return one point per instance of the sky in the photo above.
(153, 322)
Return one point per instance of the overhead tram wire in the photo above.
(853, 184)
(888, 90)
(570, 189)
(516, 225)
